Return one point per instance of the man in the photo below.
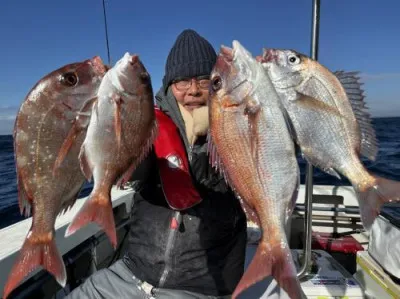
(188, 234)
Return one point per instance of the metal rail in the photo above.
(347, 210)
(309, 174)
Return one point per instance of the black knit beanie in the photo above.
(191, 56)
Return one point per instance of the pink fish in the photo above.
(120, 133)
(43, 123)
(251, 145)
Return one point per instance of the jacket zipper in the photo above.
(190, 153)
(170, 241)
(171, 236)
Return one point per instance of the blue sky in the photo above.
(40, 36)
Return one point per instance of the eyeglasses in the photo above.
(184, 84)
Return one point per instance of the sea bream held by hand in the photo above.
(251, 145)
(45, 188)
(330, 124)
(120, 133)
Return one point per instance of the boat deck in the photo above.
(12, 237)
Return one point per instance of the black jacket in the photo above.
(206, 253)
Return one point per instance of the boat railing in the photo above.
(13, 236)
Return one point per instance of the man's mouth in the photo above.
(194, 105)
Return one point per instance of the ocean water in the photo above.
(387, 164)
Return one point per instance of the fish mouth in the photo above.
(227, 53)
(244, 59)
(224, 59)
(239, 50)
(98, 65)
(134, 59)
(246, 66)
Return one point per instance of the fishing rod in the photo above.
(309, 172)
(106, 30)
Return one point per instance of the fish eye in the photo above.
(293, 59)
(216, 83)
(69, 79)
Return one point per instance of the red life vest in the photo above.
(173, 165)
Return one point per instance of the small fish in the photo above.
(330, 124)
(250, 144)
(120, 133)
(42, 125)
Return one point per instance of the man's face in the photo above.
(191, 93)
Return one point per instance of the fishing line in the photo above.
(106, 30)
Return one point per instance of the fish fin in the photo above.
(98, 209)
(276, 261)
(216, 162)
(84, 163)
(332, 172)
(293, 200)
(125, 177)
(372, 199)
(352, 86)
(72, 134)
(249, 211)
(144, 151)
(253, 118)
(24, 200)
(81, 123)
(214, 158)
(307, 154)
(70, 202)
(252, 110)
(289, 123)
(149, 143)
(117, 119)
(312, 103)
(37, 250)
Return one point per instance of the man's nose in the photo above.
(194, 89)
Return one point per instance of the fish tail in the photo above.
(372, 199)
(39, 249)
(276, 261)
(98, 209)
